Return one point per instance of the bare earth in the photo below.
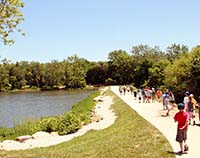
(43, 139)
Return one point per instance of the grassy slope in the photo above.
(130, 137)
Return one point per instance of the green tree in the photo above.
(75, 72)
(120, 67)
(4, 78)
(144, 57)
(54, 74)
(97, 74)
(177, 75)
(10, 18)
(175, 50)
(156, 73)
(195, 71)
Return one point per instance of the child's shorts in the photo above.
(181, 135)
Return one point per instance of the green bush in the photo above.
(69, 123)
(49, 124)
(5, 132)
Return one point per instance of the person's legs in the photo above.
(186, 148)
(181, 137)
(181, 147)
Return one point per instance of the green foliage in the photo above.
(75, 72)
(120, 67)
(178, 74)
(68, 73)
(97, 73)
(110, 81)
(10, 18)
(27, 128)
(5, 133)
(71, 120)
(156, 73)
(69, 123)
(49, 124)
(175, 50)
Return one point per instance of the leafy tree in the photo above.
(10, 18)
(97, 74)
(120, 67)
(75, 72)
(54, 74)
(35, 75)
(4, 78)
(175, 50)
(195, 71)
(156, 73)
(144, 57)
(177, 75)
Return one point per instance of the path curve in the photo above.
(153, 112)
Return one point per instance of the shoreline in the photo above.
(44, 139)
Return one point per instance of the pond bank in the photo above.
(102, 109)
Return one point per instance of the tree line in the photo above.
(177, 69)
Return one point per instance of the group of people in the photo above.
(185, 116)
(146, 94)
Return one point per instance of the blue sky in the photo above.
(92, 29)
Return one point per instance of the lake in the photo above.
(16, 108)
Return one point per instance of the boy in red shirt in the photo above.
(182, 118)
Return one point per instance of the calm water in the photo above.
(16, 108)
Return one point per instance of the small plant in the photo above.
(69, 123)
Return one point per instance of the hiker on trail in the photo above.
(143, 95)
(195, 104)
(182, 118)
(159, 94)
(140, 95)
(131, 89)
(186, 98)
(124, 89)
(190, 110)
(164, 96)
(148, 94)
(171, 103)
(153, 95)
(120, 90)
(135, 93)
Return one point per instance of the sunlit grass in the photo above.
(129, 137)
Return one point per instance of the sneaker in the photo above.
(181, 152)
(186, 147)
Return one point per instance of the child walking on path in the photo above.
(182, 118)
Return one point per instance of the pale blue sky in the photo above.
(92, 29)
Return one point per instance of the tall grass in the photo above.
(129, 137)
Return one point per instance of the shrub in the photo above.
(69, 123)
(49, 124)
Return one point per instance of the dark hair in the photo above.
(181, 106)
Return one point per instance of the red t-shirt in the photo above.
(181, 117)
